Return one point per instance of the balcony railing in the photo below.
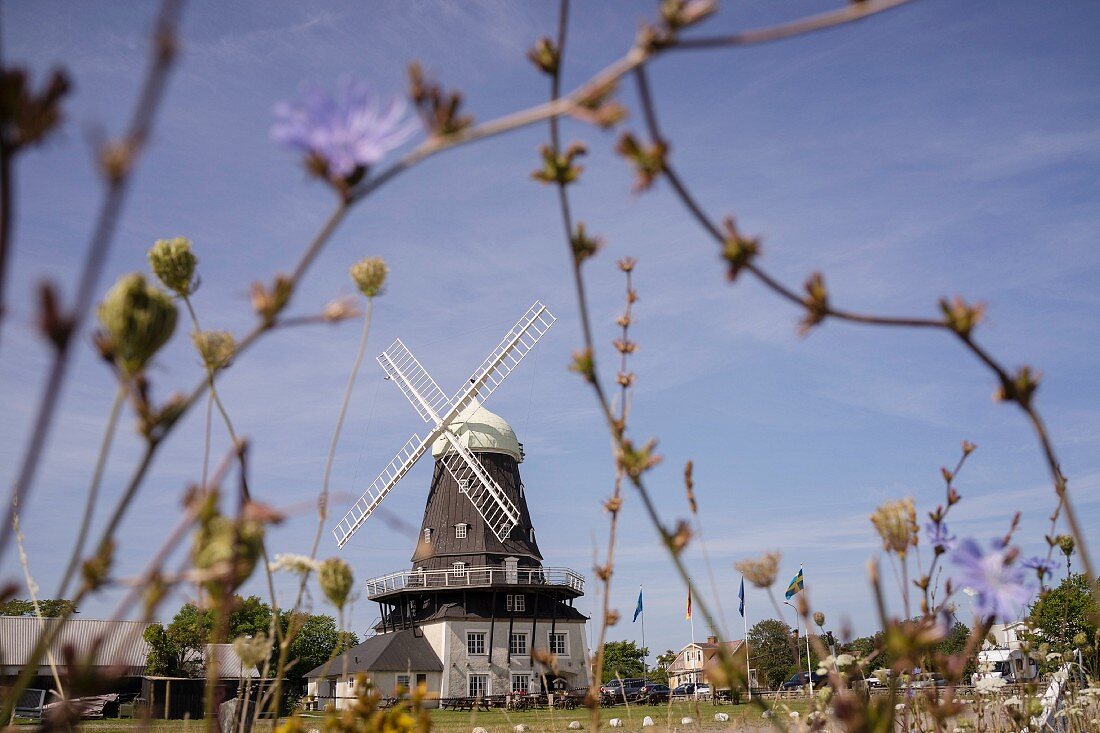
(475, 578)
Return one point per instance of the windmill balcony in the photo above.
(479, 577)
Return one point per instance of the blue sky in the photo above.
(934, 150)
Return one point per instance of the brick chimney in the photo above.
(712, 639)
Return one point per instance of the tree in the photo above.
(771, 652)
(177, 650)
(623, 659)
(1065, 616)
(316, 640)
(50, 607)
(659, 673)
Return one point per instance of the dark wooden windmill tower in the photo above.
(477, 601)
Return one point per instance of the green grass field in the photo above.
(665, 718)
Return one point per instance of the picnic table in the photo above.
(464, 703)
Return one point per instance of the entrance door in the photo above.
(421, 680)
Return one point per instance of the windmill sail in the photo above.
(433, 406)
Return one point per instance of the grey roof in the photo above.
(122, 643)
(396, 651)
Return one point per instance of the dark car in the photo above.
(801, 679)
(654, 694)
(685, 690)
(618, 690)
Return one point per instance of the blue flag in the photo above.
(741, 597)
(798, 582)
(638, 608)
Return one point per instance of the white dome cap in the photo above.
(481, 431)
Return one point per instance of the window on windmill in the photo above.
(517, 644)
(475, 642)
(521, 490)
(464, 485)
(427, 536)
(559, 643)
(458, 568)
(532, 534)
(460, 530)
(517, 602)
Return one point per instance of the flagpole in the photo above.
(645, 662)
(809, 672)
(745, 618)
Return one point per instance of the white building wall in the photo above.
(449, 639)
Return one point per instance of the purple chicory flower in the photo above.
(940, 537)
(1041, 565)
(346, 132)
(1001, 589)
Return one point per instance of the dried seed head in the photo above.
(760, 571)
(340, 309)
(137, 320)
(215, 347)
(336, 579)
(896, 524)
(819, 618)
(1066, 544)
(369, 275)
(269, 302)
(545, 56)
(173, 262)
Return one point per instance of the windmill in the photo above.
(440, 411)
(465, 619)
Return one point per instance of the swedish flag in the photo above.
(797, 583)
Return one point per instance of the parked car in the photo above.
(801, 679)
(619, 689)
(702, 690)
(685, 690)
(654, 694)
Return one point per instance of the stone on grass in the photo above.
(615, 722)
(687, 721)
(647, 722)
(521, 728)
(479, 729)
(574, 725)
(721, 717)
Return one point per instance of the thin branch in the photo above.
(852, 12)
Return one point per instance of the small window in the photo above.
(458, 569)
(475, 642)
(464, 485)
(403, 682)
(559, 643)
(479, 685)
(521, 490)
(427, 536)
(517, 644)
(517, 602)
(532, 534)
(521, 684)
(460, 530)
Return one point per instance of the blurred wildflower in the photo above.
(681, 537)
(137, 319)
(26, 117)
(53, 322)
(649, 162)
(298, 564)
(269, 302)
(599, 107)
(961, 317)
(636, 461)
(760, 571)
(344, 134)
(1066, 544)
(819, 618)
(675, 15)
(559, 167)
(988, 684)
(584, 364)
(896, 524)
(545, 56)
(438, 109)
(215, 347)
(1020, 387)
(336, 579)
(97, 568)
(583, 245)
(1000, 588)
(252, 650)
(225, 552)
(340, 309)
(173, 262)
(1041, 565)
(816, 303)
(369, 275)
(737, 251)
(940, 537)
